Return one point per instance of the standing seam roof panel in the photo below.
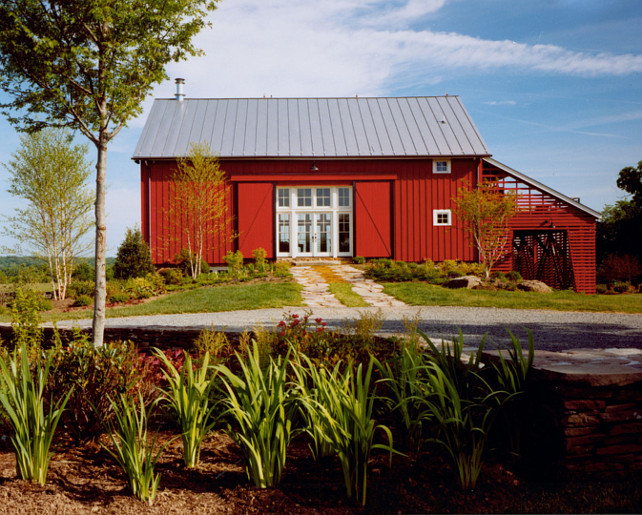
(314, 127)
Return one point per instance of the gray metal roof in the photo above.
(538, 185)
(311, 127)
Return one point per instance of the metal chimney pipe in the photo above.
(180, 95)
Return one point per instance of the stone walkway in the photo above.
(316, 292)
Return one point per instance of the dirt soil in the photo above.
(86, 479)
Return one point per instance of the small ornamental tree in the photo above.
(198, 207)
(133, 258)
(486, 212)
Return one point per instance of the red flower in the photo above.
(295, 316)
(319, 320)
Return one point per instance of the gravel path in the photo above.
(552, 330)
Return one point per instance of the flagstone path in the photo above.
(316, 293)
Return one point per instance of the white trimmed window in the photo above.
(441, 217)
(441, 166)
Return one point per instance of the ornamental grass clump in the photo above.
(22, 397)
(259, 413)
(132, 448)
(344, 414)
(188, 395)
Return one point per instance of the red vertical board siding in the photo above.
(372, 228)
(255, 217)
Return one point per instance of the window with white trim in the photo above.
(441, 166)
(441, 217)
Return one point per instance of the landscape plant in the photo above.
(89, 65)
(133, 449)
(94, 373)
(485, 211)
(259, 412)
(49, 172)
(22, 397)
(133, 258)
(25, 318)
(343, 408)
(188, 395)
(198, 205)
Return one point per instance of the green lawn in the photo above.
(422, 294)
(202, 300)
(343, 292)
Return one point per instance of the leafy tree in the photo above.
(486, 212)
(133, 258)
(88, 65)
(51, 174)
(198, 207)
(619, 230)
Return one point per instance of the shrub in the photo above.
(622, 287)
(22, 397)
(83, 271)
(234, 262)
(82, 301)
(601, 289)
(25, 318)
(620, 268)
(359, 260)
(119, 297)
(93, 373)
(145, 287)
(499, 276)
(259, 259)
(514, 276)
(187, 263)
(133, 258)
(173, 276)
(78, 288)
(211, 342)
(281, 269)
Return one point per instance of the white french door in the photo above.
(314, 221)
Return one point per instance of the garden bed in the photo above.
(85, 479)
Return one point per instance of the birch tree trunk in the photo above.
(100, 292)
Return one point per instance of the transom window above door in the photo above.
(317, 197)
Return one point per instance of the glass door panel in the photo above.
(304, 233)
(284, 232)
(323, 234)
(344, 233)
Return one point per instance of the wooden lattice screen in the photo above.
(545, 256)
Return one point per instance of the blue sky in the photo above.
(554, 86)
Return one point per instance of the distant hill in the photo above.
(12, 262)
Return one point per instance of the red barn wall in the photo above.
(393, 210)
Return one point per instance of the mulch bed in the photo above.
(86, 479)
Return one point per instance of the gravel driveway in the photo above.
(552, 330)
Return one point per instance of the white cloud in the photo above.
(305, 48)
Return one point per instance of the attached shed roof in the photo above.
(312, 127)
(539, 186)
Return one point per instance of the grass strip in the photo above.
(423, 294)
(344, 293)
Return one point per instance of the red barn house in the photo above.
(342, 177)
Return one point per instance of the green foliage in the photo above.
(83, 271)
(214, 343)
(341, 407)
(22, 397)
(234, 262)
(93, 373)
(188, 395)
(281, 269)
(359, 260)
(144, 287)
(133, 258)
(172, 276)
(119, 297)
(78, 288)
(185, 261)
(25, 318)
(259, 256)
(132, 448)
(259, 414)
(514, 276)
(82, 301)
(50, 173)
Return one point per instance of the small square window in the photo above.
(304, 197)
(323, 197)
(441, 166)
(284, 197)
(441, 217)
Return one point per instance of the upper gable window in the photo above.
(441, 166)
